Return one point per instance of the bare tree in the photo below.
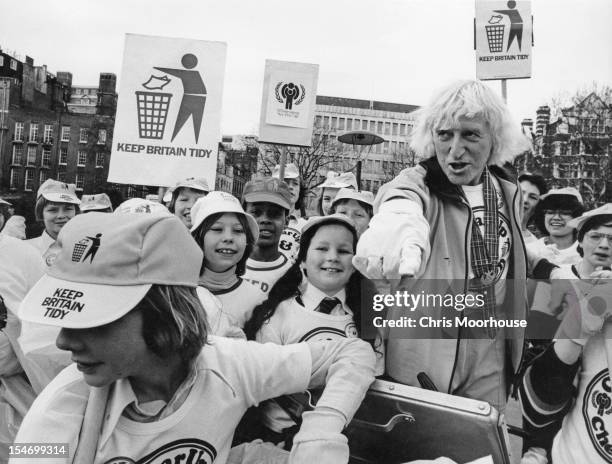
(398, 161)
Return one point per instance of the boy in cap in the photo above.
(290, 238)
(268, 200)
(184, 195)
(153, 385)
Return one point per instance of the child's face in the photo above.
(271, 221)
(109, 352)
(356, 212)
(294, 188)
(327, 196)
(224, 243)
(329, 257)
(56, 215)
(184, 201)
(597, 249)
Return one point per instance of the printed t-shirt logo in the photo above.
(187, 451)
(596, 411)
(66, 197)
(91, 244)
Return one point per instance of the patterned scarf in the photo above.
(484, 251)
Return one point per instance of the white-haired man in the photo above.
(431, 210)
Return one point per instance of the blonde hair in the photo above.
(469, 99)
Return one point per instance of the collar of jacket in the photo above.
(437, 182)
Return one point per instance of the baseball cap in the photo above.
(363, 196)
(578, 222)
(140, 205)
(195, 183)
(269, 190)
(220, 202)
(102, 265)
(330, 219)
(565, 191)
(4, 202)
(59, 192)
(95, 202)
(335, 180)
(291, 171)
(168, 195)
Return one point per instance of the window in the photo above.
(48, 134)
(402, 146)
(364, 125)
(357, 122)
(17, 154)
(79, 181)
(83, 135)
(379, 129)
(349, 124)
(372, 126)
(318, 121)
(334, 122)
(33, 132)
(82, 158)
(402, 129)
(394, 130)
(385, 146)
(1, 60)
(31, 161)
(65, 134)
(19, 131)
(13, 65)
(15, 178)
(100, 158)
(326, 122)
(387, 128)
(44, 175)
(102, 136)
(29, 180)
(393, 147)
(63, 157)
(46, 157)
(341, 124)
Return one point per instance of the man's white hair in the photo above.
(469, 99)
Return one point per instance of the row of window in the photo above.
(381, 148)
(380, 127)
(30, 160)
(28, 179)
(12, 63)
(48, 133)
(377, 166)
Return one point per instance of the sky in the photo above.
(388, 50)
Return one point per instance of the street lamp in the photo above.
(359, 140)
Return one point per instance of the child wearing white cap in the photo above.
(357, 205)
(184, 195)
(226, 235)
(99, 202)
(319, 298)
(148, 383)
(56, 204)
(329, 189)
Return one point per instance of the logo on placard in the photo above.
(496, 31)
(289, 94)
(153, 106)
(596, 410)
(89, 244)
(188, 451)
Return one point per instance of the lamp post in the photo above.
(359, 140)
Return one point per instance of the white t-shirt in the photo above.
(264, 274)
(239, 301)
(232, 375)
(42, 242)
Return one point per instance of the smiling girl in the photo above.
(56, 204)
(184, 196)
(226, 235)
(318, 298)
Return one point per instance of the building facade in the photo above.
(575, 149)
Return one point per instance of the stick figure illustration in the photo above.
(516, 24)
(194, 94)
(95, 244)
(290, 91)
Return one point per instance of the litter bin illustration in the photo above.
(152, 113)
(495, 37)
(79, 249)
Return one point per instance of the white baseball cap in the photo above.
(102, 265)
(291, 171)
(329, 219)
(194, 183)
(335, 180)
(58, 192)
(578, 222)
(567, 191)
(363, 196)
(95, 202)
(220, 202)
(140, 205)
(4, 202)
